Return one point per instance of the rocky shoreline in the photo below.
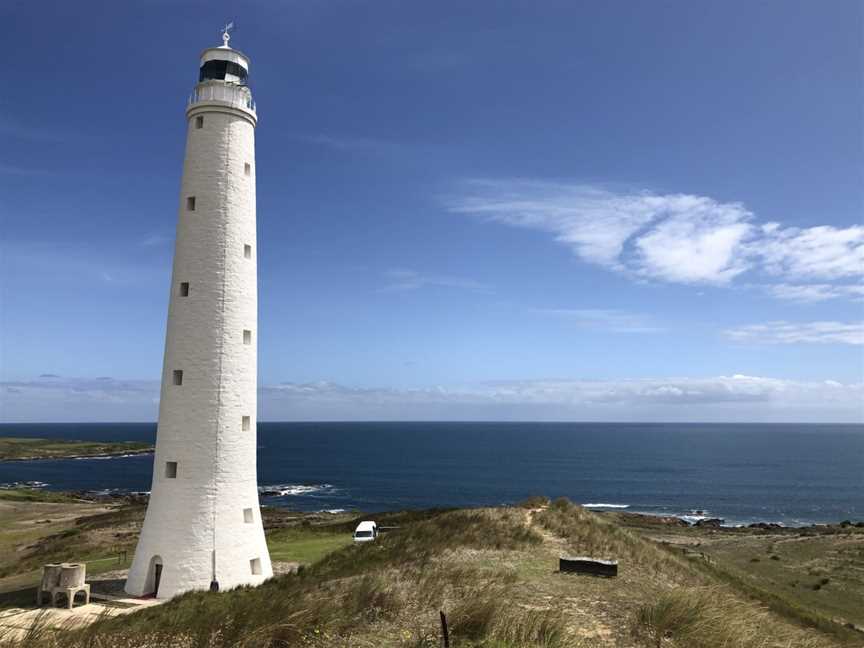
(719, 524)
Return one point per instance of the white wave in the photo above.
(119, 456)
(102, 492)
(603, 505)
(281, 490)
(333, 511)
(692, 519)
(24, 484)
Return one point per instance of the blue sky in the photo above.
(562, 210)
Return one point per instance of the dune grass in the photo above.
(490, 570)
(592, 535)
(706, 618)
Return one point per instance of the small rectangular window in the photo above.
(199, 121)
(247, 251)
(247, 518)
(171, 469)
(178, 376)
(184, 288)
(247, 169)
(190, 203)
(247, 336)
(246, 423)
(255, 565)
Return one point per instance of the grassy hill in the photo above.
(494, 573)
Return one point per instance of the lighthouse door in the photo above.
(154, 575)
(157, 576)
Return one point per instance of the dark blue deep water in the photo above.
(794, 474)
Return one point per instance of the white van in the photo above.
(366, 532)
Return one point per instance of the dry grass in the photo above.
(710, 618)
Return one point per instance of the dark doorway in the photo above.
(157, 576)
(154, 576)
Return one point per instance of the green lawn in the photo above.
(303, 545)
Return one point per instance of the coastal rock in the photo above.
(765, 525)
(675, 521)
(713, 523)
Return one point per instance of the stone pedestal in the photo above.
(63, 578)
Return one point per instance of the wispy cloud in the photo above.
(58, 262)
(155, 240)
(822, 252)
(8, 169)
(807, 293)
(11, 127)
(349, 143)
(615, 321)
(677, 238)
(782, 332)
(400, 280)
(733, 397)
(56, 398)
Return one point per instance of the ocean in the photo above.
(793, 474)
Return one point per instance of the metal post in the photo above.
(444, 632)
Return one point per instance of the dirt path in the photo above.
(577, 597)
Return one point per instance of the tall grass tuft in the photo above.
(709, 618)
(483, 618)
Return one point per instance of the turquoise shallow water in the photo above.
(793, 474)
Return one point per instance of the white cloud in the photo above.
(698, 245)
(720, 398)
(782, 332)
(814, 253)
(677, 238)
(607, 319)
(407, 280)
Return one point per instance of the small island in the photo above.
(28, 449)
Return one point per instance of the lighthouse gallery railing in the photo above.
(234, 95)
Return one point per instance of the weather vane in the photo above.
(226, 35)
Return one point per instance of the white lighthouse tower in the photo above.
(203, 526)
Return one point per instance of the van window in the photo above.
(363, 534)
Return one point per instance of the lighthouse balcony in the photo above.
(234, 95)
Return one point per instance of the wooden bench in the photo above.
(585, 565)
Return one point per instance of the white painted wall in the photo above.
(200, 422)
